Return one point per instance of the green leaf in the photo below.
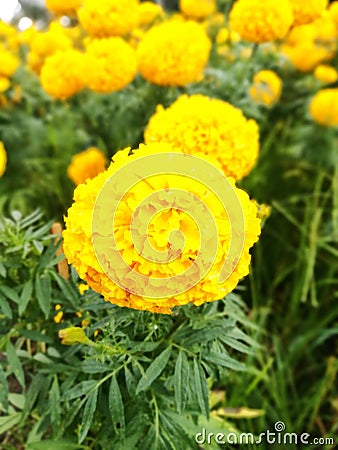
(3, 391)
(8, 422)
(88, 414)
(80, 389)
(14, 363)
(3, 271)
(5, 307)
(154, 370)
(36, 336)
(201, 388)
(25, 296)
(130, 381)
(55, 407)
(224, 360)
(43, 289)
(10, 293)
(116, 407)
(181, 380)
(54, 445)
(68, 290)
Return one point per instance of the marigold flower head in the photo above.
(307, 11)
(326, 74)
(333, 11)
(88, 207)
(261, 20)
(109, 17)
(199, 124)
(3, 159)
(149, 12)
(61, 7)
(324, 107)
(8, 63)
(197, 10)
(4, 84)
(174, 53)
(87, 164)
(45, 44)
(62, 75)
(111, 64)
(266, 87)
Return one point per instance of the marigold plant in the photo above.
(174, 53)
(306, 12)
(199, 124)
(261, 20)
(80, 232)
(86, 165)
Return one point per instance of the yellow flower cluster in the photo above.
(197, 10)
(307, 11)
(199, 124)
(333, 11)
(63, 73)
(111, 64)
(266, 87)
(109, 17)
(309, 45)
(174, 53)
(61, 7)
(4, 84)
(261, 20)
(46, 44)
(86, 165)
(3, 159)
(79, 250)
(326, 74)
(324, 107)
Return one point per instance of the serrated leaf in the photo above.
(154, 370)
(201, 388)
(66, 287)
(55, 407)
(10, 293)
(3, 391)
(53, 445)
(131, 381)
(116, 407)
(224, 360)
(181, 380)
(3, 271)
(88, 414)
(80, 389)
(25, 297)
(5, 307)
(8, 422)
(43, 289)
(14, 363)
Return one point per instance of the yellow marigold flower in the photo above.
(149, 12)
(222, 36)
(326, 74)
(111, 64)
(86, 164)
(261, 20)
(197, 10)
(307, 11)
(73, 335)
(201, 124)
(4, 84)
(333, 11)
(324, 107)
(79, 236)
(3, 159)
(174, 53)
(8, 63)
(46, 44)
(61, 7)
(62, 75)
(266, 87)
(109, 17)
